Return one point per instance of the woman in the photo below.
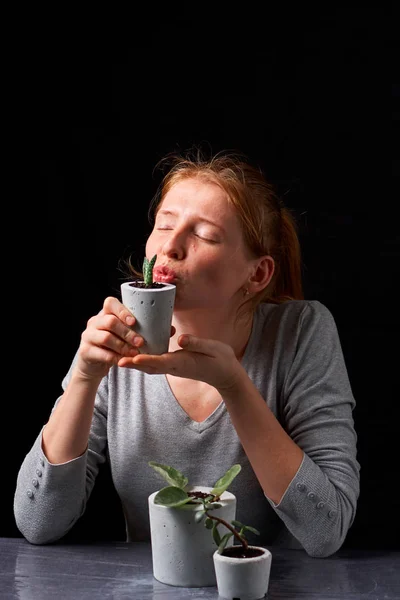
(254, 375)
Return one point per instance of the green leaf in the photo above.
(199, 516)
(152, 263)
(213, 505)
(215, 533)
(171, 497)
(171, 475)
(252, 529)
(225, 481)
(145, 267)
(209, 523)
(148, 270)
(223, 542)
(238, 524)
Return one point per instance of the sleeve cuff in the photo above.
(309, 490)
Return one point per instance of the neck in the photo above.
(234, 331)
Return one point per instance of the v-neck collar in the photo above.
(220, 410)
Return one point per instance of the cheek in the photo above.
(151, 244)
(210, 266)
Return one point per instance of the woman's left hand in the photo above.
(201, 359)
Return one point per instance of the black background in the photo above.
(304, 94)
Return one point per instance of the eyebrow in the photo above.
(163, 211)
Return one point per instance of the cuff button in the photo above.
(30, 494)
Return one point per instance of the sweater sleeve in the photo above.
(50, 498)
(319, 505)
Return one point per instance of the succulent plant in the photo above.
(148, 266)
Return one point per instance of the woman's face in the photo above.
(199, 242)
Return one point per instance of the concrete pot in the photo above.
(153, 309)
(244, 578)
(182, 550)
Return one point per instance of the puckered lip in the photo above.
(164, 274)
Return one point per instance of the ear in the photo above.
(261, 275)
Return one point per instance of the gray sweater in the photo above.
(295, 360)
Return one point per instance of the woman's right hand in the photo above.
(107, 338)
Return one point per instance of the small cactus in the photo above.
(148, 270)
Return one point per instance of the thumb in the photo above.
(196, 344)
(184, 341)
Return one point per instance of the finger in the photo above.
(156, 363)
(196, 344)
(113, 324)
(108, 340)
(113, 306)
(127, 362)
(96, 354)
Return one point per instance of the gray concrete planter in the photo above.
(243, 578)
(182, 550)
(153, 309)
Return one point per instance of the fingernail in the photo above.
(137, 341)
(129, 320)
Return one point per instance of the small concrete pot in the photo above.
(182, 550)
(244, 578)
(153, 309)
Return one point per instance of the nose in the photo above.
(174, 246)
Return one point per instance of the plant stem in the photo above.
(242, 540)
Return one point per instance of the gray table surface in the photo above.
(123, 571)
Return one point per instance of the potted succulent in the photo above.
(242, 571)
(182, 551)
(152, 304)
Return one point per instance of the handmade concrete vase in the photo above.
(182, 550)
(153, 309)
(244, 578)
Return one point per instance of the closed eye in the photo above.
(206, 239)
(195, 234)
